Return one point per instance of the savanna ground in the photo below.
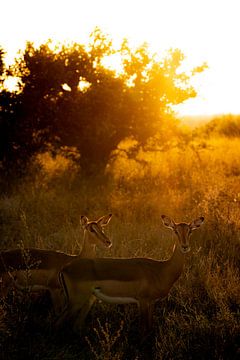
(200, 317)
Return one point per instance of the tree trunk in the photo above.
(93, 166)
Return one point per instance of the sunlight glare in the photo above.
(11, 83)
(204, 30)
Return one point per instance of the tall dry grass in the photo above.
(200, 317)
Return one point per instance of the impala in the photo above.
(38, 269)
(136, 280)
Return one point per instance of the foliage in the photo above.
(11, 137)
(68, 98)
(1, 63)
(156, 168)
(227, 125)
(200, 317)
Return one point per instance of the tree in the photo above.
(69, 98)
(8, 123)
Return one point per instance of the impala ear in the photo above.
(83, 220)
(196, 223)
(104, 220)
(168, 222)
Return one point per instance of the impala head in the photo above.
(94, 230)
(183, 230)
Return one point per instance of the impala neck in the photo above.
(176, 263)
(88, 249)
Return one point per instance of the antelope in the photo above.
(38, 269)
(140, 281)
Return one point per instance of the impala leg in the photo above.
(62, 317)
(67, 315)
(150, 316)
(58, 300)
(146, 316)
(75, 312)
(85, 308)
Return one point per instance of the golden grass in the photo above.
(200, 318)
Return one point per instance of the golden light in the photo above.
(204, 30)
(11, 84)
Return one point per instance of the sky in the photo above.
(205, 30)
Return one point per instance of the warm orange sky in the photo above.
(205, 30)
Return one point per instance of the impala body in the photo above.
(136, 280)
(38, 269)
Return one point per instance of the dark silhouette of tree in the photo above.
(1, 64)
(69, 98)
(9, 154)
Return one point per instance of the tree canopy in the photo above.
(68, 98)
